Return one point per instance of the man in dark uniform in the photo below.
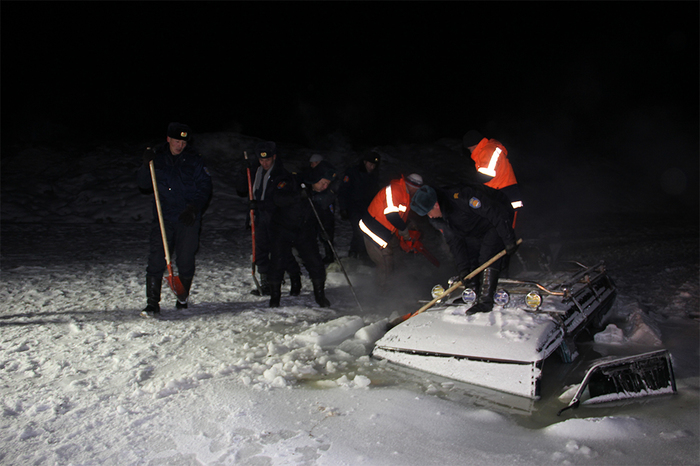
(266, 177)
(477, 223)
(360, 185)
(294, 225)
(324, 184)
(184, 188)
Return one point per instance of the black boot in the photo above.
(153, 286)
(489, 283)
(296, 285)
(264, 286)
(319, 292)
(182, 299)
(275, 293)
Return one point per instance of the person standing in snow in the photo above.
(323, 179)
(493, 167)
(477, 223)
(385, 223)
(359, 186)
(294, 225)
(269, 170)
(184, 188)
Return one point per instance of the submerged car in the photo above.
(505, 349)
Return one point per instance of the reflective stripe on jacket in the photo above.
(387, 213)
(491, 159)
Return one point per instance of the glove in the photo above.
(304, 192)
(189, 215)
(511, 248)
(148, 155)
(405, 234)
(253, 204)
(344, 214)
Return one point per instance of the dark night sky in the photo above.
(377, 73)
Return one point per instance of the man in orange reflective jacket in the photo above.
(386, 220)
(493, 167)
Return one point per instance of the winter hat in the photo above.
(320, 172)
(265, 149)
(372, 157)
(414, 180)
(423, 200)
(472, 138)
(179, 131)
(315, 158)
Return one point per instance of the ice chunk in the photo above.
(332, 332)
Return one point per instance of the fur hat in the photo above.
(423, 200)
(265, 149)
(179, 131)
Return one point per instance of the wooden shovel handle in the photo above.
(454, 286)
(160, 213)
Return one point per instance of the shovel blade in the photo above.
(175, 285)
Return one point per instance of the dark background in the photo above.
(596, 98)
(373, 72)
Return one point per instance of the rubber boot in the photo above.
(153, 286)
(182, 299)
(489, 282)
(275, 293)
(320, 293)
(264, 286)
(295, 289)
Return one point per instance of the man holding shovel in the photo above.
(184, 188)
(477, 223)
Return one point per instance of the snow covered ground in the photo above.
(85, 380)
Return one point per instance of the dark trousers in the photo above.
(183, 242)
(264, 245)
(357, 242)
(304, 241)
(481, 249)
(328, 221)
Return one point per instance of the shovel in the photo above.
(173, 281)
(252, 223)
(456, 285)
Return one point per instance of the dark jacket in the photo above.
(472, 211)
(262, 194)
(292, 208)
(357, 189)
(182, 180)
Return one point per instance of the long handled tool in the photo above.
(252, 222)
(173, 280)
(330, 243)
(456, 285)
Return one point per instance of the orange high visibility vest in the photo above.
(393, 199)
(491, 159)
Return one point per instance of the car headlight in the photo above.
(533, 300)
(468, 295)
(437, 291)
(501, 297)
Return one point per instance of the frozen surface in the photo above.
(84, 380)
